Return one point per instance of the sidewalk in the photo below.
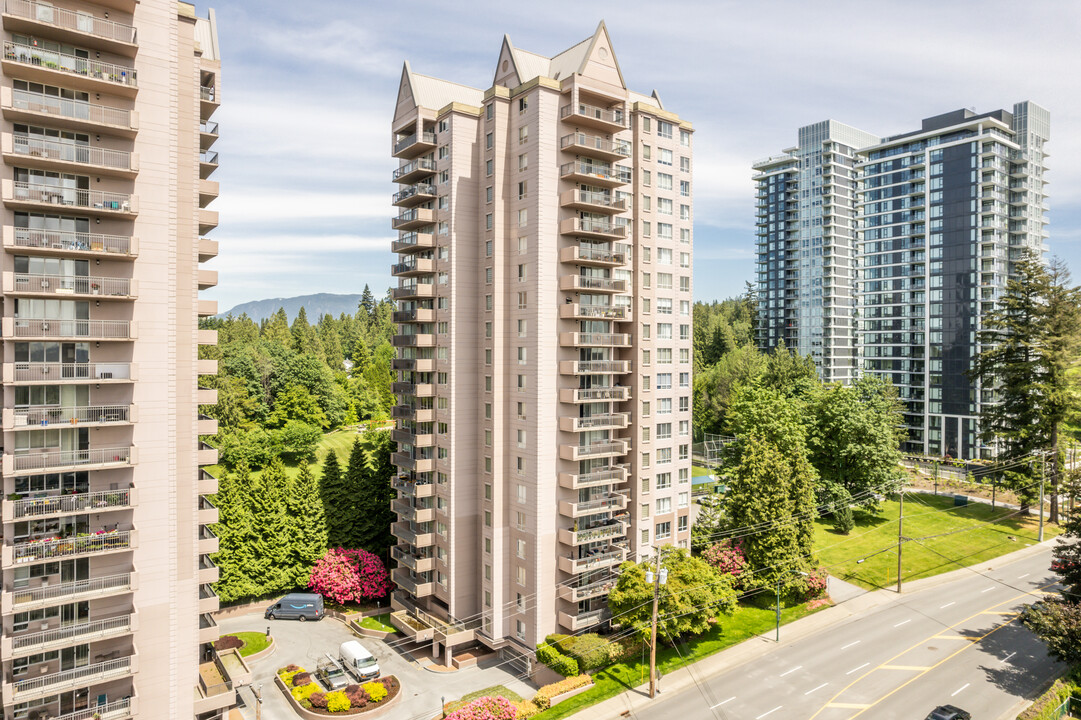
(753, 648)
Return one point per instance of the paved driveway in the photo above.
(304, 643)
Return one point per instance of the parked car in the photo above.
(297, 606)
(357, 661)
(330, 673)
(948, 712)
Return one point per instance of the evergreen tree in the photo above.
(1031, 339)
(335, 497)
(266, 502)
(367, 302)
(276, 330)
(332, 343)
(375, 493)
(358, 535)
(789, 373)
(236, 534)
(307, 525)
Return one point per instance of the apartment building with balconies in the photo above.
(544, 346)
(106, 143)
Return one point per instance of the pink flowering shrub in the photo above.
(486, 708)
(349, 576)
(814, 585)
(728, 558)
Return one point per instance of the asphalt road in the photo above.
(956, 643)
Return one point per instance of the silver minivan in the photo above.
(297, 606)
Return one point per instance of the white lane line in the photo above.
(787, 672)
(1005, 659)
(987, 590)
(1022, 577)
(960, 689)
(850, 645)
(817, 688)
(723, 702)
(903, 622)
(859, 668)
(769, 713)
(947, 605)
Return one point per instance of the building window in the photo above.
(489, 141)
(664, 129)
(519, 629)
(522, 304)
(488, 194)
(522, 273)
(664, 157)
(520, 552)
(645, 537)
(523, 134)
(664, 530)
(645, 124)
(523, 104)
(685, 138)
(523, 190)
(523, 217)
(521, 575)
(522, 356)
(681, 523)
(644, 512)
(664, 481)
(664, 505)
(488, 221)
(489, 166)
(523, 161)
(489, 111)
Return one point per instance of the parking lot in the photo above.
(304, 643)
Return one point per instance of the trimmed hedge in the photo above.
(1044, 708)
(543, 698)
(565, 666)
(592, 651)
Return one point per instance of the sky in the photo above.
(308, 92)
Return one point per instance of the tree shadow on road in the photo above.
(1017, 653)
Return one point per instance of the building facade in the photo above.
(105, 139)
(544, 353)
(932, 220)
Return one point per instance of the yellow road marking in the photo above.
(845, 689)
(853, 706)
(919, 668)
(995, 612)
(955, 637)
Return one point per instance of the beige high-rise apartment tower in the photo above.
(544, 306)
(105, 141)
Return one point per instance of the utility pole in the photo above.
(258, 692)
(1043, 469)
(778, 638)
(653, 629)
(936, 477)
(900, 537)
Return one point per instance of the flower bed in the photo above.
(310, 702)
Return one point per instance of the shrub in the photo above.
(228, 642)
(728, 558)
(351, 688)
(318, 700)
(375, 690)
(1045, 706)
(303, 692)
(526, 709)
(565, 666)
(814, 585)
(302, 678)
(543, 698)
(350, 576)
(337, 702)
(590, 649)
(288, 672)
(843, 522)
(486, 708)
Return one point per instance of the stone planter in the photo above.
(264, 653)
(371, 711)
(365, 632)
(556, 699)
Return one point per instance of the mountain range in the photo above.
(314, 305)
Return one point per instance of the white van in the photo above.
(357, 661)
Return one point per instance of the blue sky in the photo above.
(309, 90)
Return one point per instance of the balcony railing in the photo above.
(588, 282)
(419, 165)
(70, 152)
(45, 593)
(69, 20)
(58, 372)
(72, 284)
(118, 666)
(68, 547)
(208, 93)
(74, 109)
(76, 241)
(602, 366)
(63, 458)
(410, 140)
(116, 709)
(614, 147)
(599, 172)
(601, 448)
(412, 190)
(102, 329)
(209, 127)
(62, 62)
(72, 632)
(592, 112)
(76, 197)
(83, 502)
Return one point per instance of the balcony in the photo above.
(616, 313)
(208, 220)
(100, 543)
(208, 599)
(586, 227)
(577, 565)
(96, 502)
(586, 283)
(616, 393)
(208, 163)
(215, 690)
(575, 339)
(405, 558)
(414, 291)
(107, 288)
(413, 364)
(607, 119)
(208, 629)
(613, 448)
(415, 389)
(410, 438)
(418, 340)
(33, 107)
(415, 586)
(609, 176)
(595, 146)
(605, 503)
(402, 531)
(34, 151)
(610, 531)
(33, 196)
(36, 417)
(595, 257)
(208, 541)
(586, 592)
(56, 638)
(208, 134)
(26, 373)
(413, 267)
(26, 599)
(414, 195)
(407, 511)
(83, 329)
(54, 683)
(407, 486)
(591, 201)
(77, 28)
(597, 478)
(583, 620)
(208, 249)
(208, 571)
(607, 421)
(61, 460)
(36, 64)
(404, 461)
(413, 171)
(411, 412)
(413, 242)
(410, 146)
(422, 315)
(594, 367)
(413, 219)
(68, 244)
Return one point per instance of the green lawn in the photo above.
(746, 622)
(494, 691)
(380, 623)
(340, 441)
(924, 515)
(696, 471)
(253, 642)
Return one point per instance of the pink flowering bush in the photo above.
(814, 585)
(486, 708)
(349, 576)
(728, 558)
